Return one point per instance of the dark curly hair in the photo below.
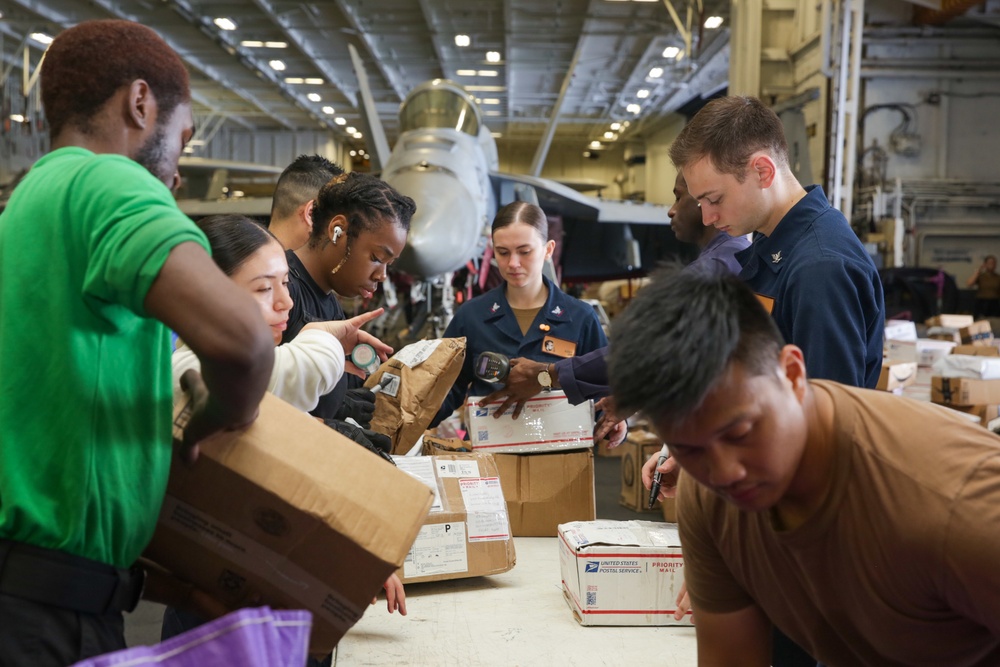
(88, 63)
(365, 200)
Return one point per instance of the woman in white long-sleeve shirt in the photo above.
(305, 368)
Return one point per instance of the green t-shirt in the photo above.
(85, 414)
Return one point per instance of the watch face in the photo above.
(545, 379)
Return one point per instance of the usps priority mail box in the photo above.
(621, 572)
(547, 423)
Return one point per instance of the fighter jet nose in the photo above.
(445, 228)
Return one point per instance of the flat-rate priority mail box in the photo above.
(547, 423)
(467, 533)
(291, 514)
(621, 572)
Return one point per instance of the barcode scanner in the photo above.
(491, 366)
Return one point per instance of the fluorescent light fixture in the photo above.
(492, 56)
(357, 135)
(314, 81)
(465, 72)
(609, 135)
(633, 108)
(462, 40)
(656, 73)
(277, 65)
(17, 118)
(616, 126)
(329, 111)
(713, 22)
(595, 144)
(276, 45)
(41, 38)
(642, 94)
(314, 97)
(671, 52)
(351, 130)
(188, 149)
(252, 43)
(224, 23)
(491, 100)
(492, 113)
(353, 153)
(340, 121)
(486, 89)
(496, 135)
(479, 100)
(196, 142)
(487, 72)
(294, 80)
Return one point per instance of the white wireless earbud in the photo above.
(337, 233)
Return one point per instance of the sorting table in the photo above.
(518, 618)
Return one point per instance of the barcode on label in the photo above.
(591, 599)
(484, 436)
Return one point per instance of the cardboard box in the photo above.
(621, 572)
(964, 391)
(467, 533)
(419, 377)
(944, 333)
(547, 423)
(896, 375)
(977, 333)
(948, 320)
(985, 413)
(977, 350)
(544, 490)
(290, 514)
(634, 495)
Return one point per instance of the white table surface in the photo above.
(518, 618)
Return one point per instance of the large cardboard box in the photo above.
(637, 451)
(547, 423)
(290, 514)
(896, 375)
(544, 490)
(621, 572)
(467, 533)
(964, 391)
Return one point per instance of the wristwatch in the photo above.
(545, 379)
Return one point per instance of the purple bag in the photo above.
(253, 637)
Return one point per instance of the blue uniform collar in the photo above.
(773, 251)
(500, 314)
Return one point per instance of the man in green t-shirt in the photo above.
(95, 258)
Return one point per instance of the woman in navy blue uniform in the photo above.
(526, 316)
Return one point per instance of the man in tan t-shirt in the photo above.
(862, 523)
